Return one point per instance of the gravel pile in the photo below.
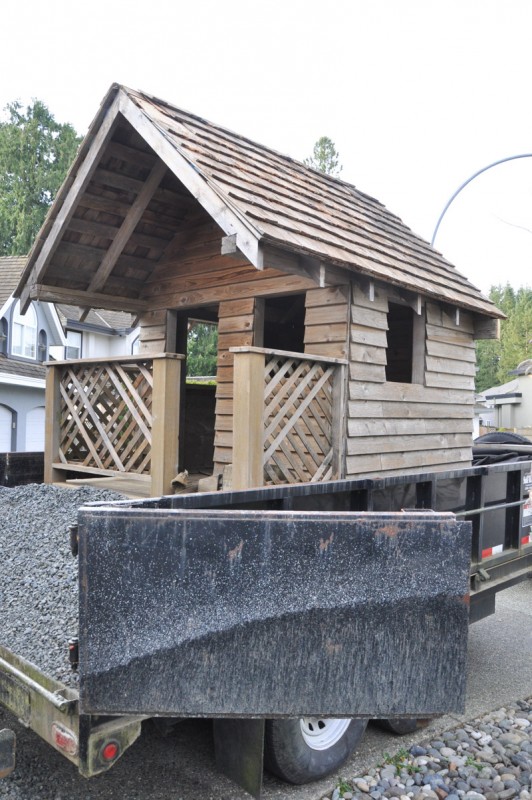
(488, 759)
(38, 574)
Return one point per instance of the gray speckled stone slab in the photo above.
(263, 614)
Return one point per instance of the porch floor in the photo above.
(133, 486)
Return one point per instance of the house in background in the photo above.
(345, 342)
(509, 406)
(27, 341)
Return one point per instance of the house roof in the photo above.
(524, 368)
(11, 366)
(11, 268)
(112, 320)
(139, 176)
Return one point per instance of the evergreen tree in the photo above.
(202, 349)
(495, 358)
(35, 154)
(325, 157)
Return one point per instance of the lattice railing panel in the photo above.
(106, 417)
(298, 420)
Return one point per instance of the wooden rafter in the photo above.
(128, 226)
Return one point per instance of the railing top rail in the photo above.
(268, 351)
(116, 359)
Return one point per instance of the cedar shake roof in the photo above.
(118, 212)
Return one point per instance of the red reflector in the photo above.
(64, 739)
(109, 751)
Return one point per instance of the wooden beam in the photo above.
(486, 328)
(228, 219)
(76, 297)
(68, 207)
(128, 226)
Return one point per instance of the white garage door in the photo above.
(6, 427)
(35, 429)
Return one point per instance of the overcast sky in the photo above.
(416, 94)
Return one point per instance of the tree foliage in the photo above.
(35, 154)
(202, 349)
(495, 358)
(325, 157)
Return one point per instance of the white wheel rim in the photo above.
(320, 734)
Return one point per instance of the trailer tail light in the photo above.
(110, 751)
(64, 739)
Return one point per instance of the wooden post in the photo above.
(165, 425)
(339, 421)
(248, 420)
(52, 425)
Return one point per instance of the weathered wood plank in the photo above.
(236, 308)
(367, 354)
(374, 464)
(409, 393)
(450, 366)
(328, 296)
(371, 336)
(243, 323)
(388, 409)
(442, 441)
(326, 315)
(458, 352)
(448, 381)
(334, 332)
(389, 428)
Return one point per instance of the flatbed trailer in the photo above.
(276, 612)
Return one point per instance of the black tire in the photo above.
(289, 756)
(401, 727)
(502, 437)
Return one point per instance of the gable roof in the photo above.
(113, 321)
(11, 268)
(268, 201)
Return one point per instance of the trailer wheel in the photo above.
(305, 749)
(402, 726)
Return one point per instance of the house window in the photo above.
(3, 336)
(43, 346)
(73, 344)
(406, 345)
(24, 338)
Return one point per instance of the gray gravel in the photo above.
(488, 759)
(38, 574)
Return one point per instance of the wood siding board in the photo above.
(388, 409)
(450, 366)
(409, 393)
(399, 428)
(369, 445)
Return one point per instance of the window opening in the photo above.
(284, 323)
(24, 341)
(399, 351)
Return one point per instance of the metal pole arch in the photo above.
(472, 178)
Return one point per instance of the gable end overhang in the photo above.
(116, 106)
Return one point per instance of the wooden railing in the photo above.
(288, 413)
(118, 416)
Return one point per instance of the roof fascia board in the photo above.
(20, 380)
(65, 213)
(227, 218)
